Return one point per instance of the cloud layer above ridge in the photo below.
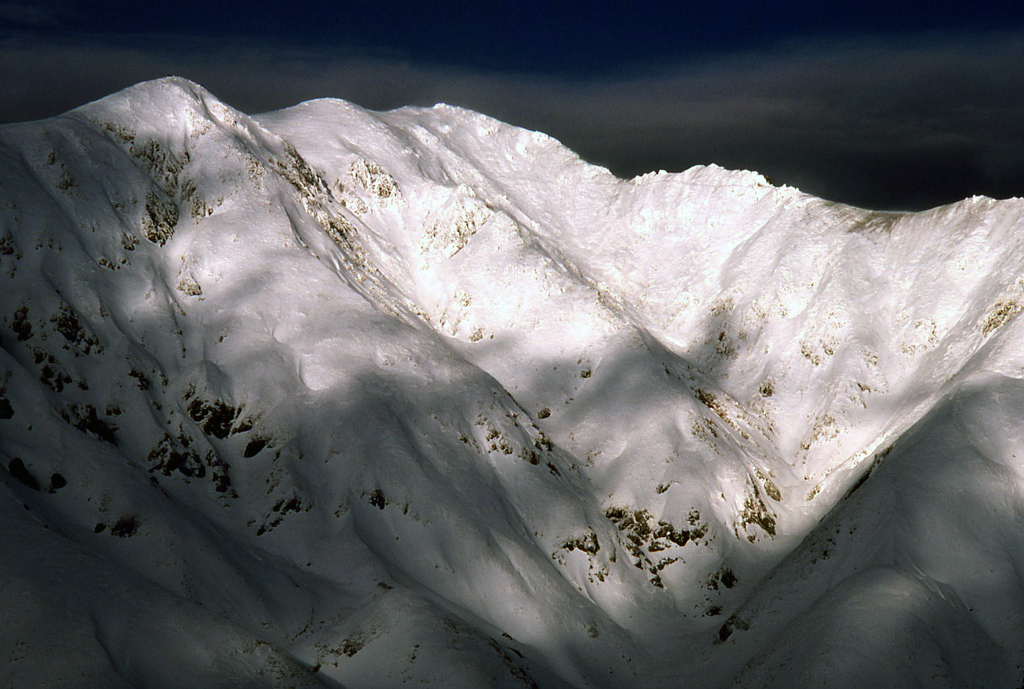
(903, 124)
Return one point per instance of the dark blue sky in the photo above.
(568, 39)
(881, 104)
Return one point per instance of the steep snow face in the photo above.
(333, 397)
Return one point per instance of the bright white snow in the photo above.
(331, 397)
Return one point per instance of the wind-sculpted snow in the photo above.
(331, 397)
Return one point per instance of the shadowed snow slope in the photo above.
(329, 397)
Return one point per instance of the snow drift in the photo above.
(331, 397)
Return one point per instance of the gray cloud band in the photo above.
(908, 126)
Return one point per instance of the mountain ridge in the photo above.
(440, 370)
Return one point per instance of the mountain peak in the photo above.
(358, 396)
(171, 94)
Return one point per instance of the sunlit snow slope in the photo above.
(331, 397)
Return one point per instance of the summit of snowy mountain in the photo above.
(334, 397)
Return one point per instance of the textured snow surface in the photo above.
(328, 397)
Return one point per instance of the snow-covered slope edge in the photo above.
(359, 398)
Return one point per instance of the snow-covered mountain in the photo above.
(331, 397)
